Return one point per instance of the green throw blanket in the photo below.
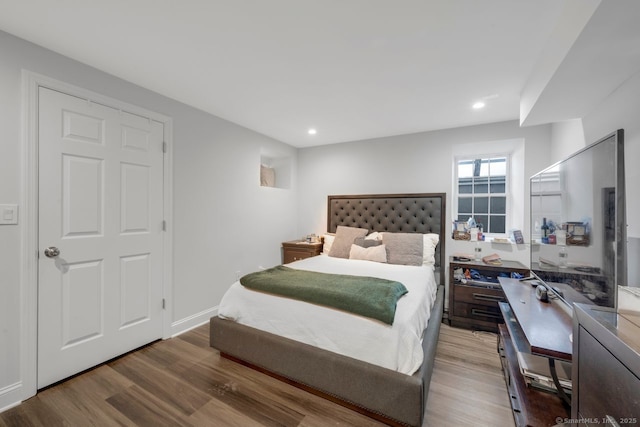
(367, 296)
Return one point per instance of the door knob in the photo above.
(51, 252)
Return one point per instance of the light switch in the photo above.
(8, 214)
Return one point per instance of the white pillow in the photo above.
(429, 249)
(374, 236)
(373, 253)
(328, 241)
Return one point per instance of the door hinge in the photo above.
(164, 147)
(164, 305)
(164, 225)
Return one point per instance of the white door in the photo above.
(100, 234)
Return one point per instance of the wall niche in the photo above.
(275, 172)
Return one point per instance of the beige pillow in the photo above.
(404, 248)
(345, 237)
(373, 253)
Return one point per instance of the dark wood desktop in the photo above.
(546, 326)
(542, 329)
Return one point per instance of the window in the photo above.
(481, 192)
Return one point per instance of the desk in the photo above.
(539, 328)
(546, 326)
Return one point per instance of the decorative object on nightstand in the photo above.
(296, 250)
(474, 292)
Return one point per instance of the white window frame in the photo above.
(508, 185)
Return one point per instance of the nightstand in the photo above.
(473, 302)
(296, 250)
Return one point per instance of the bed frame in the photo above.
(383, 394)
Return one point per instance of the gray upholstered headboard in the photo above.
(406, 213)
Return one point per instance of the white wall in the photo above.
(567, 138)
(416, 163)
(223, 220)
(619, 110)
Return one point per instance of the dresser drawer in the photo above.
(606, 386)
(473, 302)
(485, 313)
(299, 249)
(478, 295)
(291, 255)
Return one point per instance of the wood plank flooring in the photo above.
(467, 387)
(184, 382)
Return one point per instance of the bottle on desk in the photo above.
(478, 252)
(563, 255)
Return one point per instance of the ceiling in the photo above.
(352, 69)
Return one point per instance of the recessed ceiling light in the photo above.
(312, 131)
(478, 105)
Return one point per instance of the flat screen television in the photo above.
(578, 225)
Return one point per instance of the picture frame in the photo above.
(576, 229)
(577, 234)
(518, 237)
(579, 230)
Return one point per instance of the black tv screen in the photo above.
(578, 227)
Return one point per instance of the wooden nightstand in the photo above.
(299, 249)
(474, 304)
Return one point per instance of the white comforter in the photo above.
(397, 347)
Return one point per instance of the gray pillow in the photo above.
(403, 248)
(345, 237)
(366, 243)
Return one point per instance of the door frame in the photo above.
(29, 214)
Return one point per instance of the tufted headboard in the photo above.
(406, 213)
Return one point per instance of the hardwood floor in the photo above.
(184, 382)
(467, 387)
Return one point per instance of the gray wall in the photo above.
(223, 220)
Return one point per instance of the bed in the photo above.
(393, 390)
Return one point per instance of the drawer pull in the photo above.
(484, 313)
(485, 297)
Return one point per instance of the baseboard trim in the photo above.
(7, 400)
(183, 325)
